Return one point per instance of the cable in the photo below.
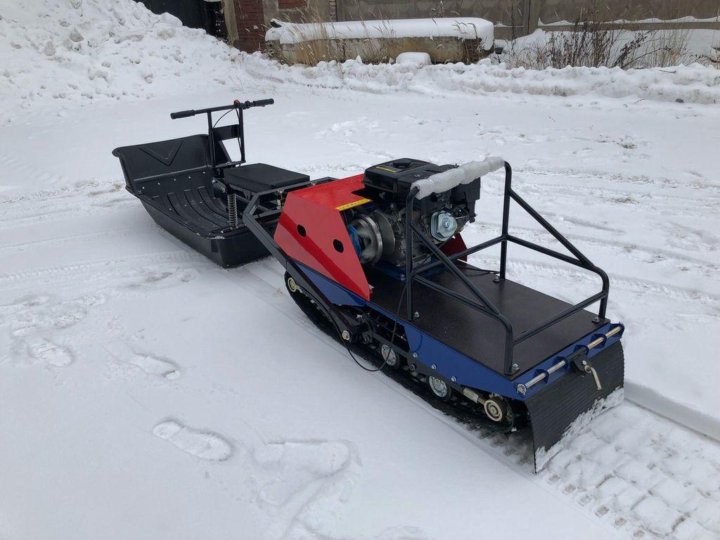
(347, 346)
(221, 117)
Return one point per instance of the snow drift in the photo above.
(688, 84)
(85, 51)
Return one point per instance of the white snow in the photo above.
(61, 52)
(688, 84)
(452, 27)
(414, 59)
(148, 392)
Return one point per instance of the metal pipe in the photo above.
(459, 255)
(552, 230)
(562, 316)
(454, 269)
(409, 274)
(523, 388)
(457, 296)
(506, 219)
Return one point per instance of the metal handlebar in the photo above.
(237, 104)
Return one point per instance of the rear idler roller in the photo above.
(495, 409)
(291, 285)
(440, 388)
(390, 357)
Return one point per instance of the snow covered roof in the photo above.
(457, 27)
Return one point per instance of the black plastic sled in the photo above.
(194, 190)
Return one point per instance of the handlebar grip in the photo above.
(182, 114)
(464, 174)
(262, 102)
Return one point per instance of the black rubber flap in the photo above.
(554, 409)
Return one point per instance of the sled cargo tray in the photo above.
(477, 335)
(173, 181)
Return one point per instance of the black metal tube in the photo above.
(241, 123)
(546, 251)
(587, 266)
(211, 141)
(266, 239)
(456, 295)
(409, 274)
(410, 229)
(459, 255)
(240, 105)
(552, 230)
(455, 270)
(506, 219)
(560, 317)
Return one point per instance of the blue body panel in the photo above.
(456, 366)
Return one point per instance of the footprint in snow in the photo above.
(201, 444)
(52, 354)
(296, 464)
(150, 364)
(159, 278)
(300, 482)
(155, 366)
(403, 533)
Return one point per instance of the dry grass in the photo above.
(595, 41)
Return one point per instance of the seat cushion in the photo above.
(259, 177)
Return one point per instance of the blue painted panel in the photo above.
(451, 363)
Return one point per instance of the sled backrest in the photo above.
(145, 165)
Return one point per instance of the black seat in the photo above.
(260, 177)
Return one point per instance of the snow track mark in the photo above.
(105, 270)
(156, 366)
(201, 444)
(50, 353)
(127, 354)
(148, 363)
(293, 476)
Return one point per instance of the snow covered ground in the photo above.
(147, 392)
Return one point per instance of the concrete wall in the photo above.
(441, 50)
(558, 10)
(247, 20)
(508, 12)
(519, 17)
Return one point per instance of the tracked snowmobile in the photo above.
(379, 257)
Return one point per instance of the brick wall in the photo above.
(247, 20)
(292, 4)
(250, 20)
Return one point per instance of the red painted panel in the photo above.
(316, 211)
(456, 244)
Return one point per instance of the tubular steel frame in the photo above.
(482, 304)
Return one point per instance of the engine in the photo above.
(377, 229)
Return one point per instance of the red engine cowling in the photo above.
(313, 232)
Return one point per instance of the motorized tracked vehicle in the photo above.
(380, 258)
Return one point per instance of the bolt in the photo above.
(415, 355)
(346, 335)
(453, 379)
(434, 366)
(514, 368)
(416, 315)
(522, 389)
